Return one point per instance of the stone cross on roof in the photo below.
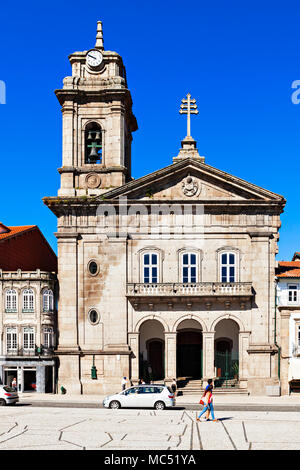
(188, 107)
(188, 144)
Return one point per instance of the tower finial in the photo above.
(188, 144)
(99, 38)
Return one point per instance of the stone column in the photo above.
(40, 379)
(133, 341)
(284, 343)
(208, 358)
(170, 356)
(244, 340)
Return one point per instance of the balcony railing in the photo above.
(21, 352)
(198, 289)
(37, 351)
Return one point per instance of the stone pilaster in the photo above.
(284, 343)
(133, 341)
(170, 356)
(244, 340)
(208, 355)
(67, 305)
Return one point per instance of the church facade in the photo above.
(167, 276)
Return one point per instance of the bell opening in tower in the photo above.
(93, 143)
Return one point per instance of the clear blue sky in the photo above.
(238, 59)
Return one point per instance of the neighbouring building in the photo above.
(28, 294)
(288, 311)
(169, 275)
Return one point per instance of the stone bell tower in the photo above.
(97, 122)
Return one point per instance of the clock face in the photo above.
(94, 58)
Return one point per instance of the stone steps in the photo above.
(217, 391)
(197, 387)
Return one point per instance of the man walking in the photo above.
(124, 383)
(174, 387)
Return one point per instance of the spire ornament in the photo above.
(188, 106)
(99, 37)
(188, 144)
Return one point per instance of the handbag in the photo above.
(201, 402)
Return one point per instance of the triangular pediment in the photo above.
(191, 180)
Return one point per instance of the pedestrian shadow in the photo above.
(225, 419)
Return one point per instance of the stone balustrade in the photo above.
(27, 275)
(198, 289)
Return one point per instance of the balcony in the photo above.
(195, 290)
(34, 352)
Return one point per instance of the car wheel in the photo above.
(159, 405)
(2, 402)
(114, 405)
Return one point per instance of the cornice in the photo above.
(93, 168)
(256, 192)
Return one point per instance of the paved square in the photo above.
(27, 428)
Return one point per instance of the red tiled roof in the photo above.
(12, 231)
(289, 264)
(25, 247)
(290, 273)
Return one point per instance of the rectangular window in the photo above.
(228, 267)
(150, 268)
(48, 335)
(189, 268)
(11, 301)
(293, 293)
(28, 339)
(11, 339)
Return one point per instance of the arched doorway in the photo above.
(155, 349)
(152, 351)
(189, 350)
(226, 352)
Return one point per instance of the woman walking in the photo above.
(207, 400)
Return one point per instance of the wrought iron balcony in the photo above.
(198, 289)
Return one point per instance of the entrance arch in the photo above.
(189, 350)
(152, 351)
(226, 350)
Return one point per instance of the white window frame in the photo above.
(28, 300)
(11, 301)
(48, 300)
(48, 337)
(11, 339)
(293, 289)
(189, 267)
(227, 266)
(151, 266)
(28, 339)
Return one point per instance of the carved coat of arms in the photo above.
(190, 186)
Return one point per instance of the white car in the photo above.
(142, 396)
(8, 395)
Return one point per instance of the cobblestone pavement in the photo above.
(27, 428)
